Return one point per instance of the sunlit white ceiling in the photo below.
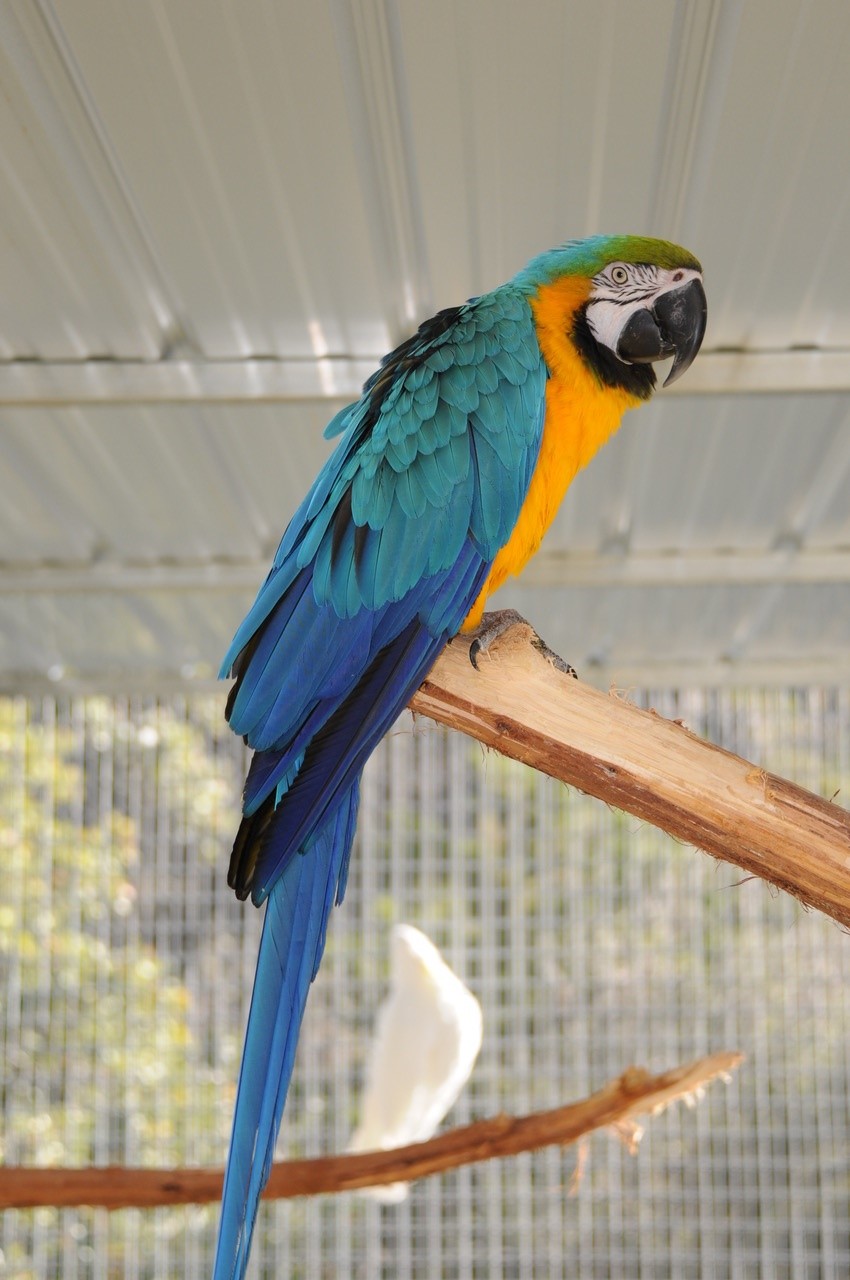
(216, 217)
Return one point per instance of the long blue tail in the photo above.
(290, 951)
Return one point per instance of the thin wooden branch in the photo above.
(617, 1104)
(654, 768)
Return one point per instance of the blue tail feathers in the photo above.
(291, 948)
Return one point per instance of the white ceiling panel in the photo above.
(244, 155)
(712, 531)
(769, 198)
(79, 277)
(731, 473)
(521, 122)
(792, 634)
(162, 484)
(217, 216)
(189, 483)
(316, 177)
(110, 640)
(622, 635)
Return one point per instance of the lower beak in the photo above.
(675, 326)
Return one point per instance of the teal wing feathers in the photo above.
(376, 571)
(405, 457)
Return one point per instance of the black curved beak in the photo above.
(675, 326)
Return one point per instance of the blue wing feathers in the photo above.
(411, 524)
(339, 733)
(376, 571)
(338, 752)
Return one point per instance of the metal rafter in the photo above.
(587, 569)
(55, 383)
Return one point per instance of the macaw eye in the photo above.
(619, 275)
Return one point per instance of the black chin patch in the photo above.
(637, 379)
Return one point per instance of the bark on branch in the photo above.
(618, 1104)
(654, 768)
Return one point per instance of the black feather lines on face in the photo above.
(637, 379)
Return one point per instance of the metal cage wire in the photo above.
(591, 940)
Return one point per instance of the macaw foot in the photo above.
(496, 624)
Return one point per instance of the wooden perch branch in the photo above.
(649, 766)
(617, 1104)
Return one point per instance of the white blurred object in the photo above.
(427, 1037)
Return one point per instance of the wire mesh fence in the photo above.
(592, 942)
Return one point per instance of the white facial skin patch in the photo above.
(624, 288)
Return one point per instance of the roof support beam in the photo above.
(547, 569)
(687, 569)
(56, 383)
(131, 382)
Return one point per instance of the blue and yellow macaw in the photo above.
(449, 470)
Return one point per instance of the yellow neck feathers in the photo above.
(581, 414)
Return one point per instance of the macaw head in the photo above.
(625, 303)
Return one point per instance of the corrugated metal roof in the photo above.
(222, 216)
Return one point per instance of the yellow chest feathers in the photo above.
(581, 414)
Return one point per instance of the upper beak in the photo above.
(675, 326)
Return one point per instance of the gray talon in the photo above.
(559, 663)
(492, 626)
(496, 624)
